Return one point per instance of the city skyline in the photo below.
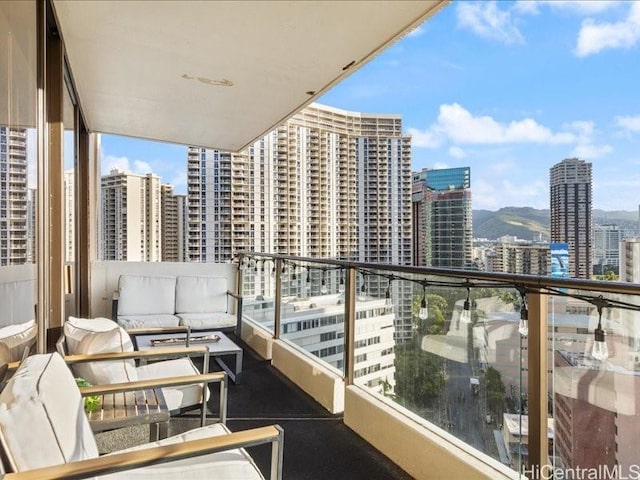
(520, 86)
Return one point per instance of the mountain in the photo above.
(532, 224)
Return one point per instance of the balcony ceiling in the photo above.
(219, 74)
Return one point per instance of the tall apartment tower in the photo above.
(131, 223)
(630, 260)
(69, 215)
(327, 183)
(606, 248)
(170, 224)
(570, 202)
(442, 218)
(13, 196)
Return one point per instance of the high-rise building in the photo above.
(570, 202)
(442, 218)
(69, 215)
(131, 224)
(32, 195)
(170, 224)
(518, 258)
(13, 196)
(328, 183)
(606, 248)
(183, 227)
(630, 260)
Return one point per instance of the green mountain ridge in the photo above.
(533, 224)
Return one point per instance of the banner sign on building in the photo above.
(559, 260)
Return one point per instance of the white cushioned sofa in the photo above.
(45, 434)
(199, 302)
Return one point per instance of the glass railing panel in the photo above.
(313, 311)
(452, 356)
(595, 394)
(258, 292)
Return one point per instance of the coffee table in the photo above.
(217, 349)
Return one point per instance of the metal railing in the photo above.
(503, 362)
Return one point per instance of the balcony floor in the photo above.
(317, 444)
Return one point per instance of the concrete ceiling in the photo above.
(215, 73)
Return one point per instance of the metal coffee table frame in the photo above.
(223, 347)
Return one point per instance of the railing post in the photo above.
(538, 355)
(278, 298)
(349, 325)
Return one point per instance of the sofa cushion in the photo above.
(176, 397)
(139, 321)
(207, 321)
(146, 295)
(233, 464)
(42, 419)
(18, 337)
(75, 329)
(106, 372)
(201, 294)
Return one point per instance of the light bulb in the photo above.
(387, 300)
(523, 327)
(423, 314)
(323, 289)
(341, 286)
(600, 351)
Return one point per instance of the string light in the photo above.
(600, 351)
(423, 314)
(323, 289)
(387, 302)
(523, 325)
(341, 285)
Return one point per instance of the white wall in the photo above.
(104, 278)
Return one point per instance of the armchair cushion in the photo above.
(75, 329)
(146, 295)
(42, 419)
(201, 294)
(176, 397)
(17, 337)
(106, 372)
(233, 464)
(207, 321)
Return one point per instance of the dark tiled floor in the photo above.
(318, 445)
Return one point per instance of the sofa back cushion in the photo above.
(201, 294)
(106, 372)
(42, 419)
(146, 295)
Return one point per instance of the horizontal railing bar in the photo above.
(531, 281)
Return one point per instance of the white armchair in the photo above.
(87, 337)
(44, 434)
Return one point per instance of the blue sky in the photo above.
(507, 88)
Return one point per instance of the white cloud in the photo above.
(416, 32)
(487, 20)
(425, 139)
(179, 180)
(142, 167)
(495, 194)
(459, 126)
(526, 7)
(440, 166)
(110, 162)
(457, 152)
(587, 151)
(582, 7)
(630, 124)
(595, 37)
